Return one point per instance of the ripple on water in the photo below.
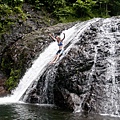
(44, 112)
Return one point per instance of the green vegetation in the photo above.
(63, 10)
(72, 10)
(13, 72)
(12, 81)
(8, 10)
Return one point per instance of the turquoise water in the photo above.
(37, 112)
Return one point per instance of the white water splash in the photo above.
(107, 38)
(39, 65)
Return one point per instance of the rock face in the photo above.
(87, 78)
(90, 71)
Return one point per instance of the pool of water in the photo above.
(44, 112)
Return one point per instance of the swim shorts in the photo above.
(59, 52)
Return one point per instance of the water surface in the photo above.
(44, 112)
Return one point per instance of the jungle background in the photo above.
(61, 10)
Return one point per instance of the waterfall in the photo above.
(94, 72)
(40, 64)
(110, 39)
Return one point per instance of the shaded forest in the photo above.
(62, 10)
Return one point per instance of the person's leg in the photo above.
(57, 57)
(59, 52)
(53, 59)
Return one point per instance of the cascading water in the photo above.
(33, 74)
(109, 38)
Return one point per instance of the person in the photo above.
(60, 45)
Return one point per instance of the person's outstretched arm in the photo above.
(52, 37)
(63, 37)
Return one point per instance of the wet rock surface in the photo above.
(87, 78)
(91, 70)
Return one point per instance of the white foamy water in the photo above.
(40, 64)
(108, 40)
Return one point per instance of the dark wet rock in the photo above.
(87, 78)
(91, 72)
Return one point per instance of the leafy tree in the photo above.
(103, 7)
(114, 7)
(84, 8)
(12, 3)
(79, 8)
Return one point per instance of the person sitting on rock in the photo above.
(60, 45)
